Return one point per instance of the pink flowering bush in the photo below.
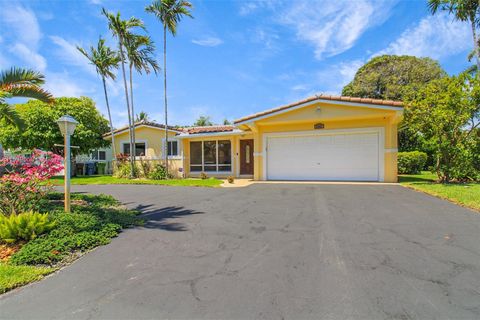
(22, 187)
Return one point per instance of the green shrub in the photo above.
(203, 175)
(87, 227)
(412, 162)
(159, 172)
(24, 226)
(122, 170)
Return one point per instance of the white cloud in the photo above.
(333, 27)
(249, 7)
(24, 23)
(95, 1)
(332, 79)
(434, 36)
(61, 84)
(208, 42)
(69, 54)
(31, 57)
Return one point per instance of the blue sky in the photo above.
(235, 57)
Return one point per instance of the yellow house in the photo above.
(320, 138)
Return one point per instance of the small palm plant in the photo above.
(169, 12)
(105, 61)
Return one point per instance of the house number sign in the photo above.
(317, 126)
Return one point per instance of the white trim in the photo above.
(258, 154)
(123, 142)
(165, 148)
(391, 150)
(210, 134)
(217, 164)
(109, 135)
(379, 130)
(306, 104)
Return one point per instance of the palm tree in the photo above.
(121, 30)
(142, 116)
(105, 61)
(203, 121)
(140, 50)
(463, 10)
(169, 12)
(19, 82)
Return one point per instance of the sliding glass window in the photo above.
(211, 156)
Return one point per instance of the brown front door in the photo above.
(246, 156)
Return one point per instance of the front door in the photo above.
(246, 157)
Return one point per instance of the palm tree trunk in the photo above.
(109, 118)
(165, 90)
(475, 43)
(131, 105)
(132, 148)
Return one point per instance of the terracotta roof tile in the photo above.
(391, 103)
(208, 129)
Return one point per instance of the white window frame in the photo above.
(217, 164)
(123, 142)
(165, 149)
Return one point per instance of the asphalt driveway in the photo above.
(272, 251)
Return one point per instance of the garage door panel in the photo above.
(323, 157)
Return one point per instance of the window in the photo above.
(173, 148)
(99, 155)
(211, 156)
(140, 149)
(196, 156)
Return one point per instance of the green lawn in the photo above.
(465, 194)
(15, 276)
(212, 182)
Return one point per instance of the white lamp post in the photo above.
(67, 126)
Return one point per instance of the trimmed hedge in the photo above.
(412, 162)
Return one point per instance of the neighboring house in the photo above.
(319, 138)
(102, 155)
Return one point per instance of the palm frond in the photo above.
(20, 76)
(30, 91)
(10, 116)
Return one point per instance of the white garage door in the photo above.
(339, 156)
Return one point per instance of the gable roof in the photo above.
(145, 123)
(387, 104)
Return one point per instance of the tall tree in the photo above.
(462, 10)
(140, 52)
(391, 77)
(169, 12)
(19, 82)
(121, 29)
(105, 61)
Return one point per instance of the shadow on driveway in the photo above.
(161, 218)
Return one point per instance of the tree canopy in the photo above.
(41, 130)
(446, 113)
(391, 77)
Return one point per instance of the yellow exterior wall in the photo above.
(235, 142)
(333, 117)
(153, 138)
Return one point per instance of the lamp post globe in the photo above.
(67, 125)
